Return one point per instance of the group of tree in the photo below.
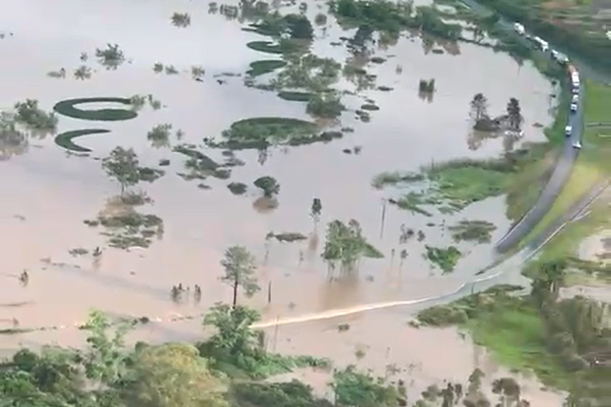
(223, 371)
(511, 120)
(123, 165)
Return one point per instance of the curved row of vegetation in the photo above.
(68, 108)
(65, 139)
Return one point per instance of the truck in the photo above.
(574, 74)
(543, 45)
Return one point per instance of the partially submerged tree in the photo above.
(479, 107)
(345, 245)
(239, 266)
(181, 19)
(514, 114)
(316, 209)
(122, 165)
(269, 185)
(111, 56)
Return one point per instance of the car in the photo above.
(577, 144)
(568, 130)
(576, 90)
(575, 98)
(573, 107)
(519, 28)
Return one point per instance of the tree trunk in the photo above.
(235, 294)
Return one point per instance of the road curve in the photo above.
(561, 174)
(564, 165)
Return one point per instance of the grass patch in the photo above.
(286, 236)
(128, 228)
(395, 178)
(592, 165)
(295, 96)
(265, 46)
(453, 185)
(462, 185)
(479, 231)
(265, 66)
(509, 326)
(68, 108)
(446, 259)
(262, 132)
(65, 139)
(526, 187)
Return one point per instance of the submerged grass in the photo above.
(444, 258)
(262, 132)
(508, 325)
(265, 46)
(265, 66)
(295, 96)
(68, 108)
(65, 139)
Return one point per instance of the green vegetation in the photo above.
(83, 72)
(200, 166)
(446, 259)
(139, 101)
(261, 132)
(68, 108)
(128, 228)
(32, 117)
(325, 105)
(181, 19)
(308, 72)
(159, 135)
(237, 188)
(265, 46)
(395, 178)
(286, 236)
(295, 96)
(425, 86)
(393, 17)
(239, 266)
(275, 25)
(592, 166)
(472, 230)
(265, 66)
(345, 245)
(562, 341)
(453, 185)
(268, 185)
(110, 57)
(223, 371)
(65, 139)
(572, 24)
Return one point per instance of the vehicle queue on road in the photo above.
(571, 70)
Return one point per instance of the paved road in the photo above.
(561, 174)
(564, 165)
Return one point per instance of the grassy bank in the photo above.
(533, 333)
(593, 164)
(453, 185)
(573, 24)
(509, 326)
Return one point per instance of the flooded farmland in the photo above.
(50, 192)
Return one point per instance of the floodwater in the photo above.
(48, 193)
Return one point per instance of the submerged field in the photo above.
(185, 122)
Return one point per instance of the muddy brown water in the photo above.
(49, 193)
